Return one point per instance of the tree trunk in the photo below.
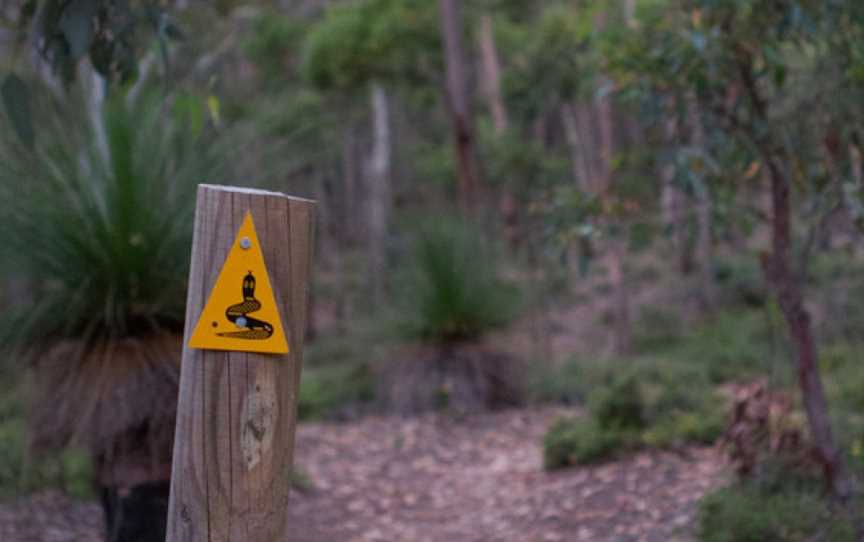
(671, 204)
(491, 80)
(788, 290)
(787, 285)
(576, 146)
(606, 133)
(458, 105)
(617, 250)
(379, 192)
(704, 214)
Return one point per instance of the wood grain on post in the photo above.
(236, 417)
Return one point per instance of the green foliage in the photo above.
(101, 223)
(110, 34)
(452, 291)
(733, 345)
(383, 40)
(581, 441)
(329, 391)
(274, 45)
(645, 403)
(22, 472)
(740, 281)
(620, 406)
(16, 101)
(656, 329)
(748, 513)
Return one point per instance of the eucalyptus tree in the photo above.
(766, 75)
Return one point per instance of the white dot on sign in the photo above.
(245, 243)
(241, 322)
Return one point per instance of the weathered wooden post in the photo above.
(245, 318)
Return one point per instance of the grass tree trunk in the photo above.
(379, 198)
(458, 105)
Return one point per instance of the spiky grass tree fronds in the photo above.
(97, 221)
(451, 296)
(452, 291)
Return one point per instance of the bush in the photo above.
(326, 392)
(734, 345)
(650, 403)
(748, 513)
(740, 281)
(581, 441)
(20, 472)
(656, 329)
(452, 292)
(570, 383)
(621, 406)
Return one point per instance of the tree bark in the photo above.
(704, 214)
(622, 339)
(579, 162)
(671, 198)
(458, 105)
(491, 80)
(788, 290)
(379, 192)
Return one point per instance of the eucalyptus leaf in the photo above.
(77, 26)
(16, 102)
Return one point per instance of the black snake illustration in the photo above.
(254, 329)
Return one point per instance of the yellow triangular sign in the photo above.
(241, 313)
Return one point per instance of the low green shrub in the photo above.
(749, 513)
(621, 406)
(656, 329)
(652, 404)
(330, 391)
(734, 345)
(740, 281)
(20, 473)
(581, 441)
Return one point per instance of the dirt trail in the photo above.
(436, 478)
(443, 478)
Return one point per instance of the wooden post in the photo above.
(236, 414)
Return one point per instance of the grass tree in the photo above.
(451, 297)
(97, 222)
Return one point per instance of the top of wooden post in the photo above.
(253, 191)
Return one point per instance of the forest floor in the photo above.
(442, 477)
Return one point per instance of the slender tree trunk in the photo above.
(379, 192)
(617, 250)
(606, 134)
(622, 339)
(671, 204)
(458, 105)
(491, 80)
(788, 289)
(579, 161)
(704, 214)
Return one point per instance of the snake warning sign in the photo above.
(241, 313)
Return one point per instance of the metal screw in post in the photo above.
(245, 243)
